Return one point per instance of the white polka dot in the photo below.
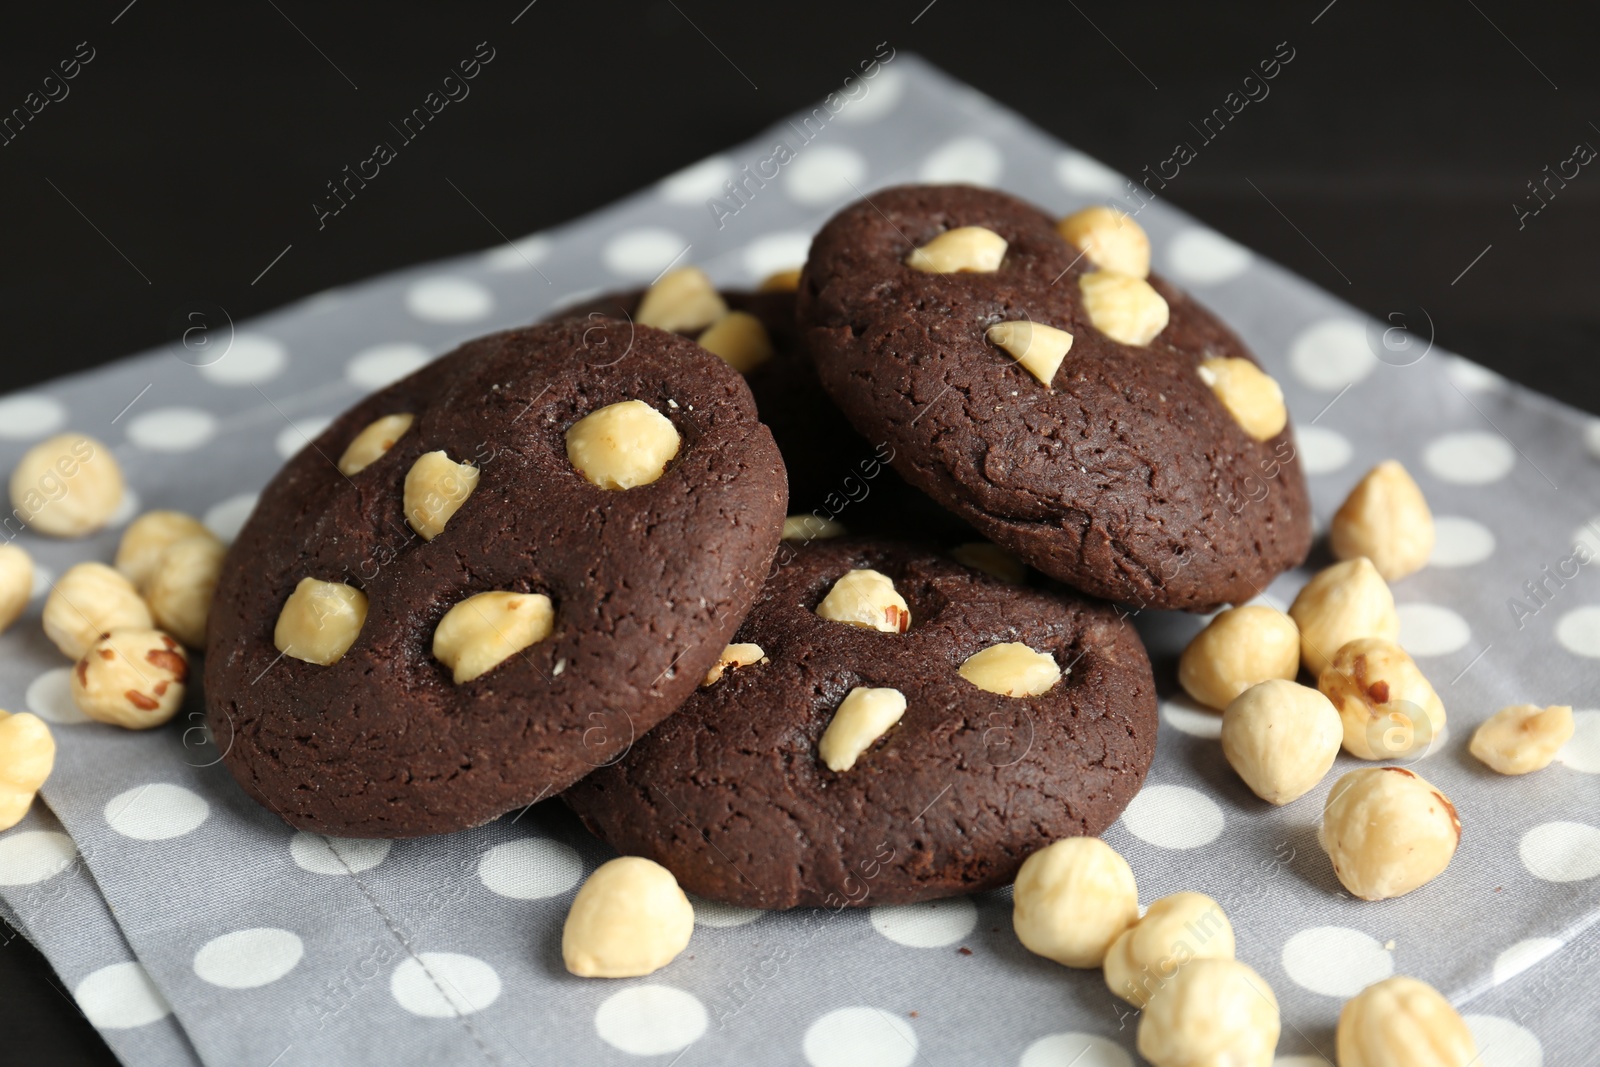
(1191, 719)
(1336, 961)
(1591, 437)
(1472, 458)
(1562, 851)
(711, 913)
(29, 415)
(1173, 816)
(697, 182)
(31, 856)
(644, 252)
(1080, 174)
(860, 1037)
(1205, 257)
(1502, 1043)
(336, 855)
(1429, 630)
(1321, 450)
(1582, 753)
(775, 252)
(1471, 377)
(227, 518)
(1078, 1050)
(972, 160)
(825, 174)
(1579, 631)
(883, 93)
(650, 1020)
(526, 253)
(49, 696)
(446, 299)
(120, 997)
(172, 429)
(246, 959)
(1524, 954)
(299, 433)
(155, 812)
(43, 579)
(1332, 354)
(251, 358)
(1460, 542)
(127, 507)
(530, 869)
(378, 366)
(1588, 535)
(930, 924)
(444, 984)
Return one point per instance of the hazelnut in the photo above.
(629, 919)
(131, 678)
(733, 657)
(1401, 1022)
(739, 340)
(436, 487)
(783, 281)
(1281, 738)
(1387, 831)
(370, 445)
(1343, 602)
(147, 537)
(1213, 1012)
(992, 560)
(1388, 708)
(1072, 900)
(965, 248)
(89, 600)
(66, 486)
(624, 445)
(1011, 669)
(864, 715)
(1522, 737)
(811, 528)
(682, 301)
(16, 583)
(1386, 519)
(1124, 308)
(179, 590)
(27, 755)
(481, 632)
(1251, 396)
(1038, 348)
(1172, 931)
(1109, 239)
(320, 621)
(1236, 650)
(867, 598)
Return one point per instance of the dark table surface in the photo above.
(1387, 165)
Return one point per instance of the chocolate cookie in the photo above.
(1108, 430)
(944, 784)
(610, 520)
(834, 473)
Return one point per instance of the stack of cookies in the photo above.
(606, 557)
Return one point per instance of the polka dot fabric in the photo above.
(236, 940)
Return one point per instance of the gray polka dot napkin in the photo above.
(191, 926)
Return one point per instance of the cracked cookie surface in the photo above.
(1125, 476)
(645, 584)
(734, 797)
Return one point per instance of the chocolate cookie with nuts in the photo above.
(490, 578)
(1033, 377)
(890, 726)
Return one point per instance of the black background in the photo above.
(190, 149)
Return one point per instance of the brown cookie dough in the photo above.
(1126, 476)
(734, 796)
(644, 584)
